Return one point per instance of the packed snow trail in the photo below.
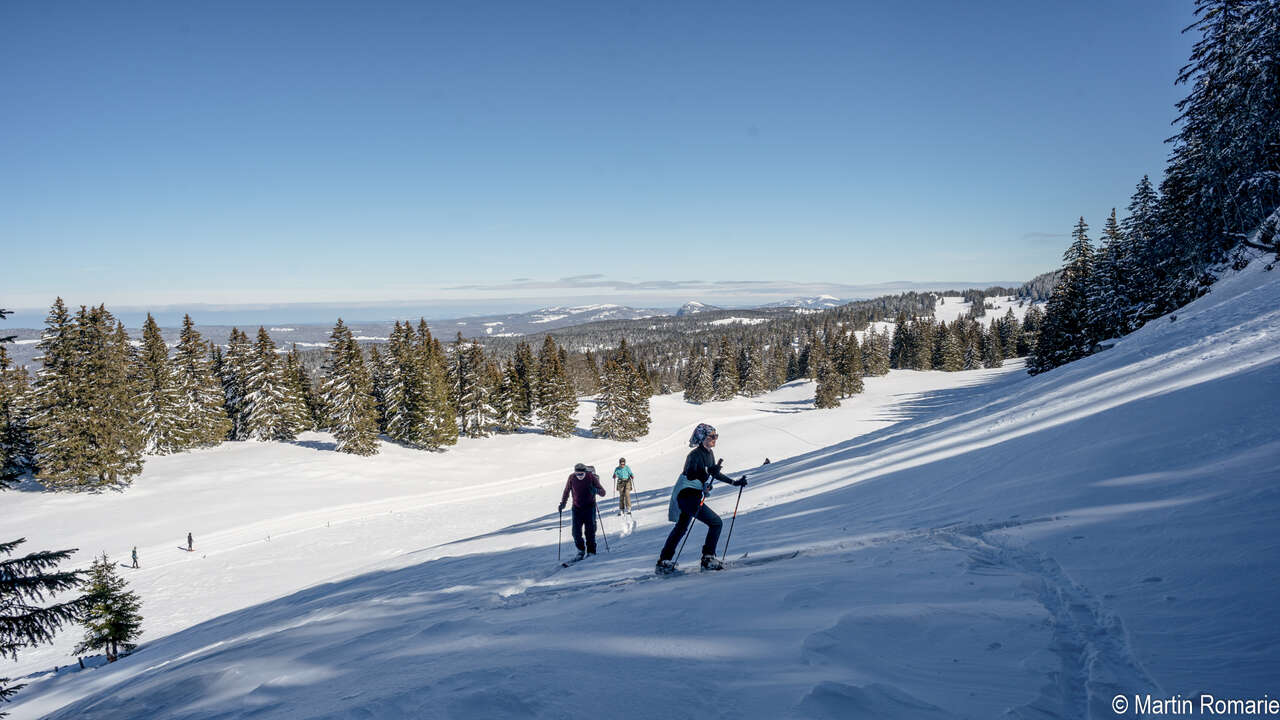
(967, 545)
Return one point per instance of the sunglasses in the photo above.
(713, 436)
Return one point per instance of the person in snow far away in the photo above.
(585, 486)
(190, 544)
(622, 479)
(135, 556)
(700, 469)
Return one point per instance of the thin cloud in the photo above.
(1043, 236)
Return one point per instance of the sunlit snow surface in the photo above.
(965, 545)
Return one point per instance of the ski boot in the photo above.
(579, 556)
(664, 567)
(710, 562)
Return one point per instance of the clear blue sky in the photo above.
(181, 152)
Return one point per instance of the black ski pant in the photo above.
(584, 517)
(688, 500)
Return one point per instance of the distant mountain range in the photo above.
(311, 336)
(820, 302)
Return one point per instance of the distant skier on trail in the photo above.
(687, 500)
(585, 486)
(622, 482)
(190, 543)
(135, 556)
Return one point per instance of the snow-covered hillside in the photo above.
(947, 545)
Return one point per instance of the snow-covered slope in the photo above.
(947, 545)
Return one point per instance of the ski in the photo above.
(746, 560)
(573, 561)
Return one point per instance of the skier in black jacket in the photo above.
(700, 468)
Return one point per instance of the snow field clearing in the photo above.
(946, 545)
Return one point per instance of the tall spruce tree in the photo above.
(199, 394)
(470, 394)
(827, 386)
(701, 386)
(526, 372)
(755, 379)
(17, 452)
(1108, 286)
(164, 430)
(302, 411)
(347, 394)
(441, 429)
(269, 396)
(111, 619)
(91, 439)
(235, 382)
(1066, 333)
(558, 403)
(724, 373)
(26, 583)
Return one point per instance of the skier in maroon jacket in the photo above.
(585, 486)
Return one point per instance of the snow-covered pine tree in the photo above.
(850, 366)
(610, 420)
(526, 372)
(441, 428)
(507, 399)
(1108, 291)
(1066, 333)
(164, 430)
(55, 415)
(1030, 335)
(952, 355)
(826, 392)
(900, 351)
(112, 621)
(269, 397)
(199, 393)
(301, 409)
(776, 367)
(25, 584)
(17, 452)
(993, 346)
(756, 381)
(86, 419)
(701, 385)
(639, 391)
(724, 373)
(558, 404)
(235, 382)
(1008, 329)
(466, 376)
(1141, 230)
(972, 356)
(347, 394)
(397, 384)
(875, 355)
(687, 370)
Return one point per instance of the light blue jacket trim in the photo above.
(682, 483)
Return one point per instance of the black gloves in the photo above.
(742, 481)
(561, 507)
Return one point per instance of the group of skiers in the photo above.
(191, 546)
(688, 501)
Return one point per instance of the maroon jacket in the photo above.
(584, 490)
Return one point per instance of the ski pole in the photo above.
(731, 522)
(689, 532)
(560, 535)
(600, 522)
